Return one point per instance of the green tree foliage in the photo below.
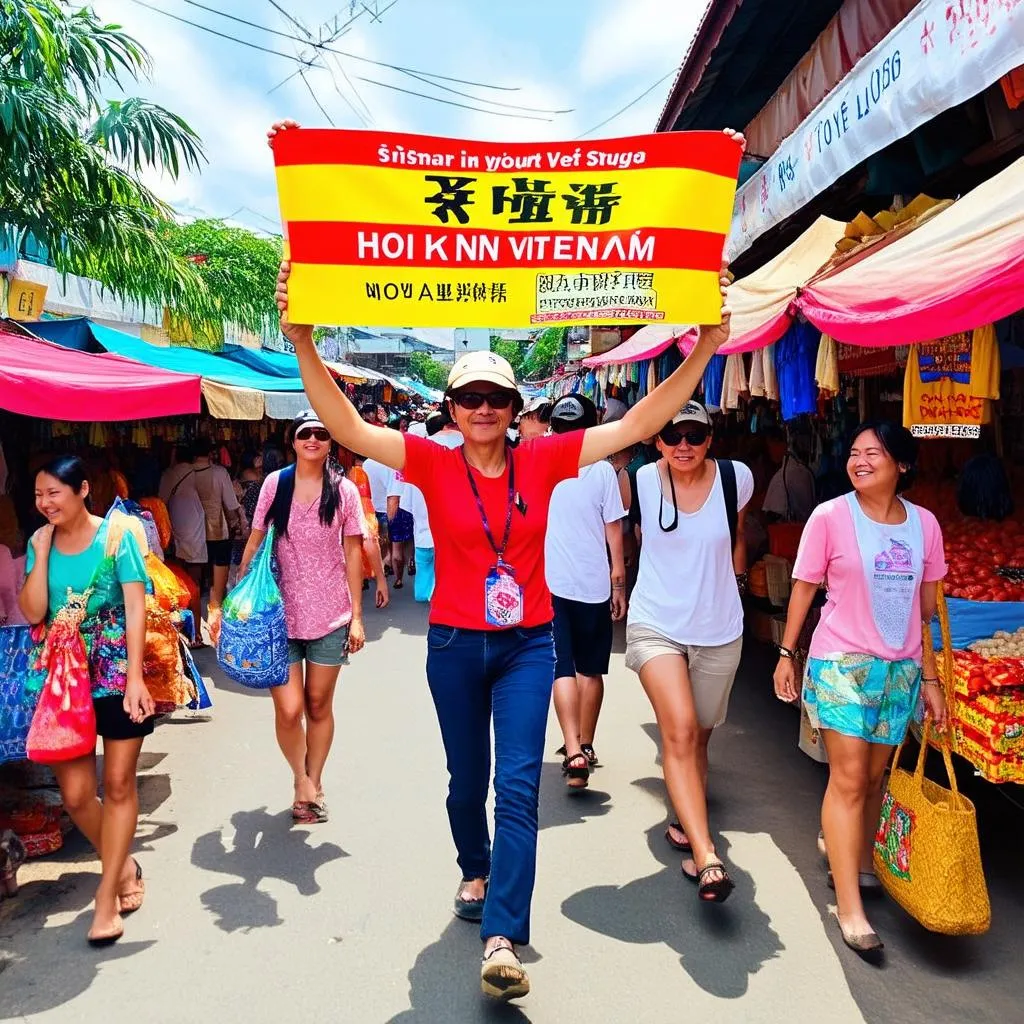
(71, 161)
(547, 353)
(510, 350)
(428, 370)
(238, 268)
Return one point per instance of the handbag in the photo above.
(64, 722)
(927, 854)
(253, 645)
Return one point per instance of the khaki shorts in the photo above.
(712, 669)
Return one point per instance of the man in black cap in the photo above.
(584, 524)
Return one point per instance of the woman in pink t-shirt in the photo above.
(318, 525)
(882, 560)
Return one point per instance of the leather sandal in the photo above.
(716, 890)
(502, 975)
(576, 770)
(469, 910)
(683, 847)
(132, 900)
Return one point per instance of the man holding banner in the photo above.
(490, 645)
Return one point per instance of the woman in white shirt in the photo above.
(685, 631)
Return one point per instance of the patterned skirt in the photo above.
(401, 528)
(862, 696)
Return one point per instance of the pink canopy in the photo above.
(38, 378)
(962, 269)
(648, 342)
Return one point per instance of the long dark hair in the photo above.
(281, 506)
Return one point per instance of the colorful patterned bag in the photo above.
(16, 706)
(927, 854)
(64, 723)
(253, 645)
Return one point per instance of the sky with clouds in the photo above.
(587, 57)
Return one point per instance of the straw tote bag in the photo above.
(927, 854)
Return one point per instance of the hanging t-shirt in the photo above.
(951, 383)
(686, 588)
(714, 378)
(796, 354)
(874, 573)
(575, 548)
(463, 555)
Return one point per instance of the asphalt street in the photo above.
(250, 919)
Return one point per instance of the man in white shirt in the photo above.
(223, 519)
(441, 430)
(381, 478)
(188, 524)
(584, 524)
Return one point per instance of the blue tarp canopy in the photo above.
(238, 367)
(421, 389)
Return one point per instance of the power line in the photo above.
(305, 82)
(330, 49)
(631, 103)
(480, 99)
(452, 103)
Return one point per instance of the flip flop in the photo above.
(682, 847)
(716, 891)
(131, 901)
(303, 813)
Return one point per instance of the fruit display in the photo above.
(986, 560)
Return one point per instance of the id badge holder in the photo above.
(503, 598)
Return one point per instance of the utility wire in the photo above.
(451, 103)
(305, 81)
(480, 99)
(331, 49)
(631, 103)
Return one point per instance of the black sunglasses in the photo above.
(305, 433)
(673, 436)
(475, 399)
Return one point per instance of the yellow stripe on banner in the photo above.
(378, 296)
(655, 197)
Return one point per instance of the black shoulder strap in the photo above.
(728, 471)
(634, 501)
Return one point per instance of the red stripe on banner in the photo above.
(713, 152)
(345, 244)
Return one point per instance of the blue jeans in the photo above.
(474, 674)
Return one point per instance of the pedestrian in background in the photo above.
(533, 420)
(583, 532)
(188, 527)
(223, 521)
(490, 644)
(685, 632)
(882, 558)
(318, 525)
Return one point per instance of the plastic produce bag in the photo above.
(170, 592)
(253, 645)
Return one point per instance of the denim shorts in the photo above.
(330, 650)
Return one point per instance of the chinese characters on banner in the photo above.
(25, 300)
(384, 228)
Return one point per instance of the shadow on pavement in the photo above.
(403, 614)
(561, 806)
(33, 982)
(264, 846)
(444, 983)
(719, 946)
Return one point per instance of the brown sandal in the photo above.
(131, 901)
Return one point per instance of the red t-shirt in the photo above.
(462, 554)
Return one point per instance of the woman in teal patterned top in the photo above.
(79, 553)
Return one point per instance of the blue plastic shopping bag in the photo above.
(253, 645)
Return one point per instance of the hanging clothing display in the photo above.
(734, 382)
(826, 370)
(763, 381)
(714, 377)
(950, 384)
(796, 353)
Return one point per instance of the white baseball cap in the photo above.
(484, 366)
(693, 412)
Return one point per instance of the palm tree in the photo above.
(71, 160)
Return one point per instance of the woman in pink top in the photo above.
(318, 525)
(882, 560)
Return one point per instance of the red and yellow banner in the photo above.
(384, 228)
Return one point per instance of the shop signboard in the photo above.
(383, 228)
(25, 300)
(943, 53)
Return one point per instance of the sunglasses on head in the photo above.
(475, 399)
(672, 436)
(305, 433)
